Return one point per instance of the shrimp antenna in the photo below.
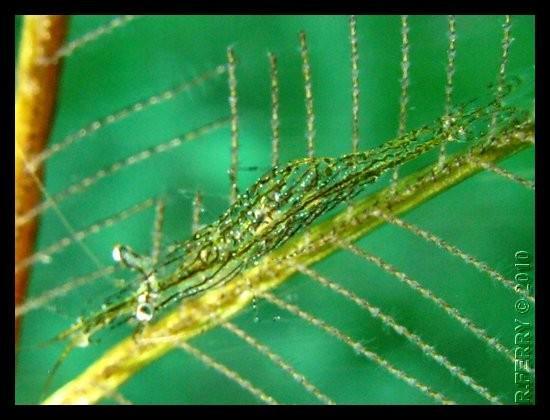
(51, 374)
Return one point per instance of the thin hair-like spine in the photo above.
(404, 97)
(449, 78)
(233, 102)
(310, 114)
(354, 84)
(275, 121)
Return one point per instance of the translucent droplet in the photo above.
(276, 196)
(152, 282)
(82, 339)
(447, 121)
(204, 255)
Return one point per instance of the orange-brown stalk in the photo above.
(35, 98)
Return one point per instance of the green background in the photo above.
(487, 216)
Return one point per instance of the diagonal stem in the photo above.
(218, 305)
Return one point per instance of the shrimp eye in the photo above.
(144, 312)
(117, 253)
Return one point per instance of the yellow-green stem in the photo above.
(216, 306)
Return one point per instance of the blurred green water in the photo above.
(487, 216)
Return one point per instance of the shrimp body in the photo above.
(284, 201)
